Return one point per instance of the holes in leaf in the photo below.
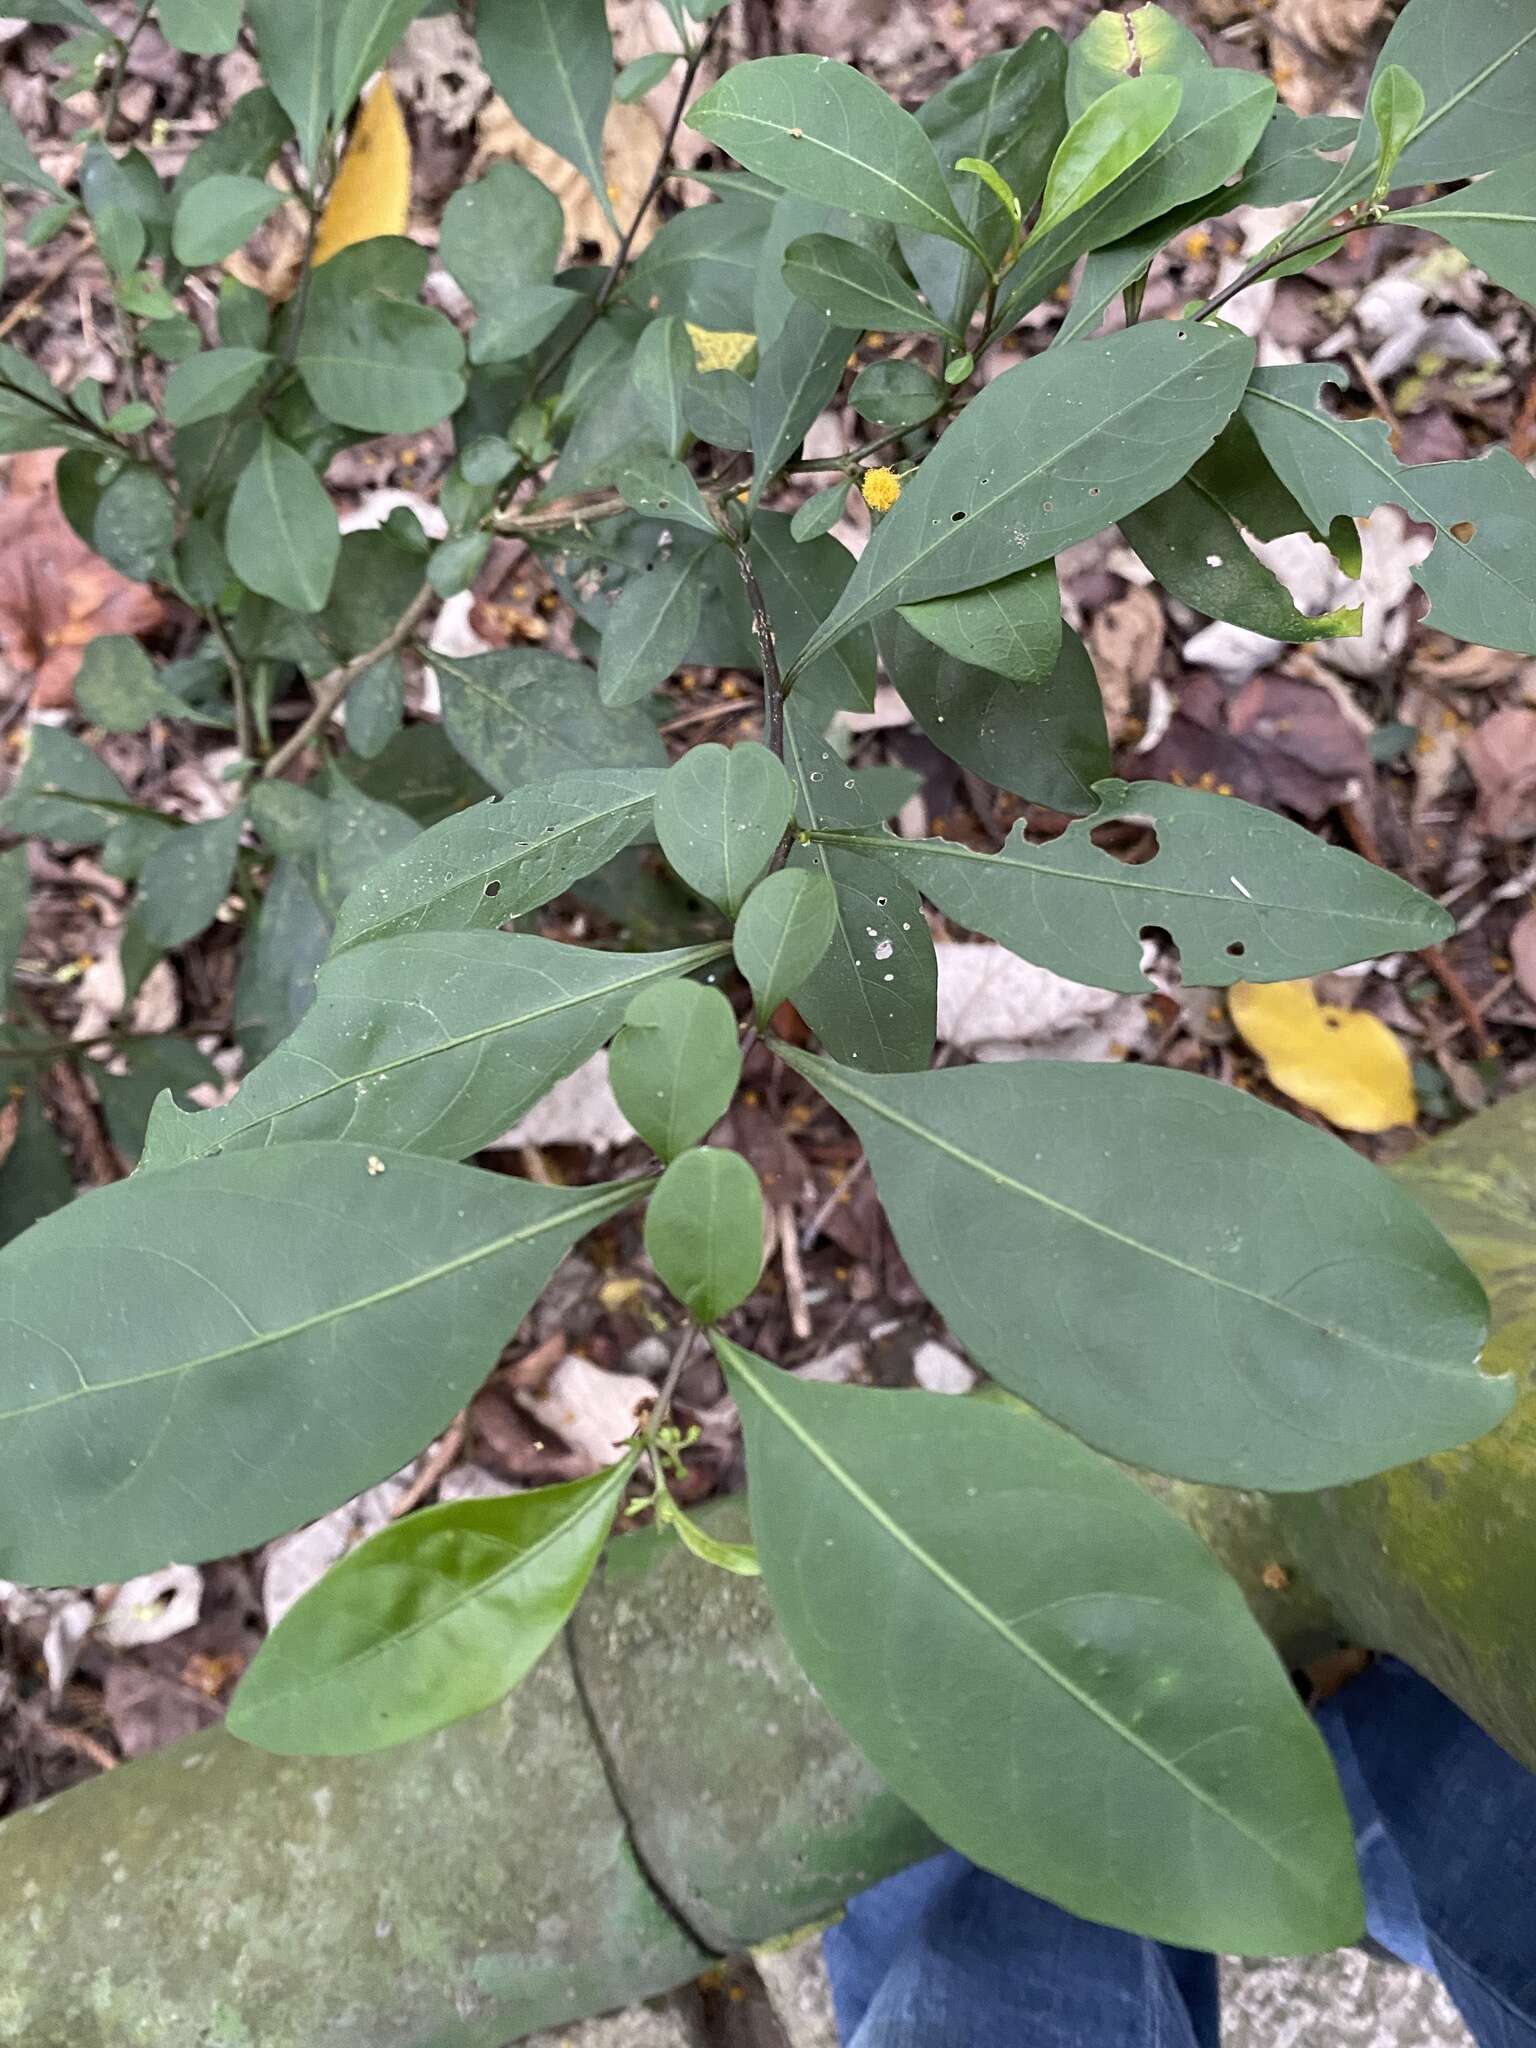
(1237, 949)
(493, 888)
(1464, 530)
(1158, 948)
(955, 518)
(1131, 841)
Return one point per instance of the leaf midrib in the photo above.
(703, 955)
(1357, 1339)
(991, 1619)
(873, 844)
(560, 1220)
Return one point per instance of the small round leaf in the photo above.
(704, 1231)
(675, 1064)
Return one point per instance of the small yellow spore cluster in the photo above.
(881, 488)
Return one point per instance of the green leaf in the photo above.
(128, 183)
(739, 1558)
(218, 214)
(650, 629)
(58, 13)
(245, 319)
(208, 385)
(1245, 894)
(1114, 132)
(1323, 1332)
(855, 287)
(282, 1368)
(296, 40)
(375, 707)
(357, 831)
(1010, 110)
(819, 514)
(1012, 627)
(434, 1618)
(1199, 555)
(186, 878)
(995, 182)
(433, 1041)
(1045, 744)
(120, 689)
(485, 866)
(782, 934)
(1397, 108)
(675, 1065)
(524, 716)
(826, 131)
(366, 32)
(717, 405)
(282, 538)
(501, 241)
(796, 380)
(704, 1231)
(552, 62)
(1286, 164)
(34, 1175)
(203, 28)
(1143, 42)
(1493, 222)
(801, 582)
(872, 997)
(1047, 455)
(720, 814)
(149, 1064)
(276, 982)
(1075, 1694)
(1481, 583)
(64, 792)
(134, 526)
(32, 413)
(370, 357)
(703, 266)
(15, 888)
(454, 564)
(1479, 86)
(638, 78)
(896, 394)
(663, 489)
(661, 373)
(1220, 118)
(245, 143)
(18, 166)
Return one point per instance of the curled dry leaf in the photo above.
(1501, 757)
(1522, 954)
(56, 597)
(1126, 641)
(1345, 1064)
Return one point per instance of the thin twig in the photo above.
(773, 682)
(78, 1740)
(794, 1274)
(1262, 267)
(433, 1466)
(32, 303)
(331, 689)
(245, 732)
(616, 269)
(120, 71)
(661, 1407)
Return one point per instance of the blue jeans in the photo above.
(946, 1956)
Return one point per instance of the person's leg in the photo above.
(1445, 1823)
(946, 1956)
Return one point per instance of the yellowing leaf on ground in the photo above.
(1345, 1064)
(718, 348)
(372, 190)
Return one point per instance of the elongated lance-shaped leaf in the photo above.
(1291, 1321)
(1493, 222)
(1480, 575)
(856, 287)
(552, 62)
(826, 131)
(1477, 71)
(1044, 1663)
(310, 1317)
(1113, 132)
(1012, 627)
(522, 715)
(1221, 116)
(485, 866)
(434, 1618)
(1199, 555)
(872, 997)
(1046, 455)
(1047, 743)
(430, 1042)
(800, 371)
(1245, 894)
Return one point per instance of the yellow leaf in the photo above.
(1345, 1064)
(716, 348)
(372, 190)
